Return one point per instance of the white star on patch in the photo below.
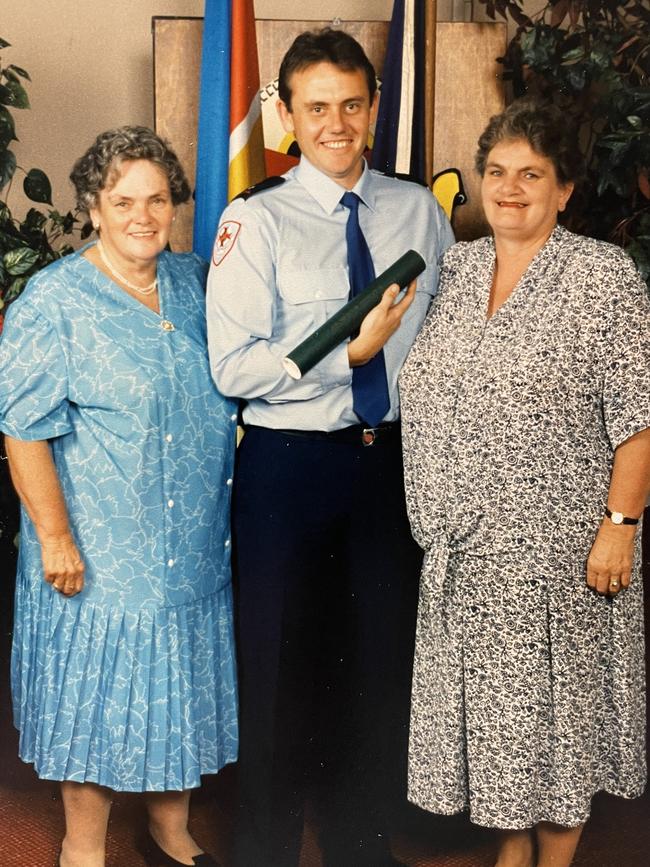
(225, 240)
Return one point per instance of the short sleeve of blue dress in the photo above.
(131, 683)
(33, 377)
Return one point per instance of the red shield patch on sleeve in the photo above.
(225, 240)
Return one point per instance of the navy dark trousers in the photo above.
(326, 577)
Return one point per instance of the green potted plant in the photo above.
(30, 243)
(592, 58)
(26, 245)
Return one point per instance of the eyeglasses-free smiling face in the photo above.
(135, 215)
(330, 117)
(521, 193)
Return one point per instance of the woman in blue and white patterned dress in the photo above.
(526, 423)
(121, 450)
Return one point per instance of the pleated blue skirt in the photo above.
(140, 700)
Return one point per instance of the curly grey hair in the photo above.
(99, 167)
(546, 129)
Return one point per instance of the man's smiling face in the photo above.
(330, 117)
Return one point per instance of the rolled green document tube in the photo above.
(348, 319)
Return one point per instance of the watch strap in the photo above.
(619, 517)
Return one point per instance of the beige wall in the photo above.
(91, 68)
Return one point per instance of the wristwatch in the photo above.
(620, 518)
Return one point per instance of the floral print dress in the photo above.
(131, 683)
(528, 690)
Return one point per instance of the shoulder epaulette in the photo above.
(402, 176)
(266, 184)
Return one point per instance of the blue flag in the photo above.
(214, 126)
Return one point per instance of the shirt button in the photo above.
(233, 417)
(169, 438)
(227, 543)
(317, 294)
(229, 482)
(170, 503)
(170, 563)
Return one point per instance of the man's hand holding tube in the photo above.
(380, 324)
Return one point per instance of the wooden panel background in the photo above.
(177, 76)
(467, 93)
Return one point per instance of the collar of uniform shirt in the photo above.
(327, 192)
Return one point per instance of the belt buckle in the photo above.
(368, 436)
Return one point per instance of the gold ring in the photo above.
(613, 584)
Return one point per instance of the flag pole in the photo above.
(430, 13)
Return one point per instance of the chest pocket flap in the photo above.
(309, 286)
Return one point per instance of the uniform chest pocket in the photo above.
(309, 287)
(309, 297)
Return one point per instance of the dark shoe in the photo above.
(156, 857)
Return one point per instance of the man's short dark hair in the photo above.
(324, 46)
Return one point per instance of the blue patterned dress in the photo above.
(131, 683)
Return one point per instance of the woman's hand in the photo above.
(37, 482)
(380, 323)
(610, 560)
(63, 567)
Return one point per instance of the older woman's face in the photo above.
(521, 193)
(135, 214)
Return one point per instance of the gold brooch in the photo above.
(166, 325)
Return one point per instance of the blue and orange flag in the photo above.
(230, 153)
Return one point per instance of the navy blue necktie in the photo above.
(370, 399)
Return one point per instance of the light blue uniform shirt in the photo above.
(279, 271)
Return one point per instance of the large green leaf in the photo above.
(37, 187)
(5, 95)
(17, 94)
(68, 223)
(7, 167)
(33, 220)
(7, 128)
(19, 71)
(18, 261)
(16, 288)
(4, 43)
(575, 55)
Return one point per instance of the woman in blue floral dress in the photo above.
(121, 450)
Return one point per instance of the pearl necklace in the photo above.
(143, 290)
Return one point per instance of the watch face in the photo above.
(617, 517)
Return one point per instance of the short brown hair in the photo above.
(324, 46)
(546, 129)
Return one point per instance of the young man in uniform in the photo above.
(325, 566)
